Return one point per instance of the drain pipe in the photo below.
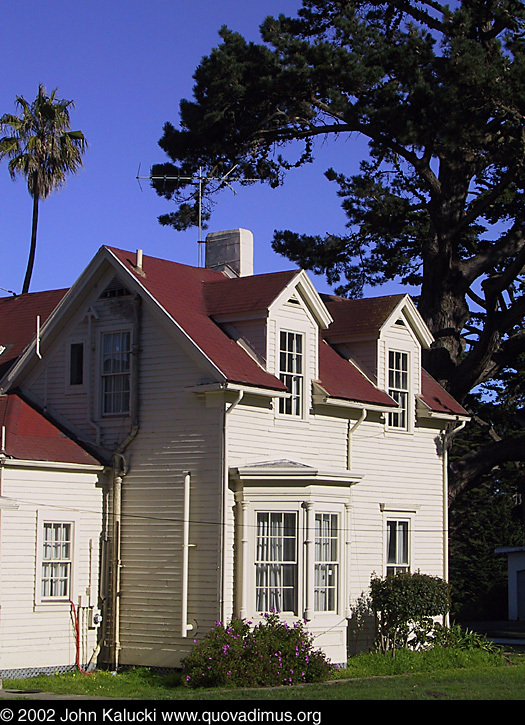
(445, 439)
(116, 566)
(185, 626)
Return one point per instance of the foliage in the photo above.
(41, 147)
(438, 92)
(404, 605)
(271, 653)
(458, 638)
(434, 659)
(491, 514)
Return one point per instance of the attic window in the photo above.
(400, 322)
(293, 301)
(114, 289)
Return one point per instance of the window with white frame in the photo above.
(291, 371)
(276, 562)
(398, 546)
(326, 562)
(56, 560)
(116, 372)
(398, 388)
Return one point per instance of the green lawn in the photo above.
(462, 676)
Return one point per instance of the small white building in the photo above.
(266, 447)
(516, 580)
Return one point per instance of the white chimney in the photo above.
(231, 252)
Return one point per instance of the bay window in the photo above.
(276, 562)
(326, 562)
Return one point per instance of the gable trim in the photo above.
(311, 298)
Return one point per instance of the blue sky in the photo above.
(127, 65)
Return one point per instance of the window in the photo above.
(116, 356)
(326, 562)
(398, 388)
(57, 552)
(397, 547)
(291, 371)
(276, 562)
(76, 363)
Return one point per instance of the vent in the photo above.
(114, 289)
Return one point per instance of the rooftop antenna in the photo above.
(198, 180)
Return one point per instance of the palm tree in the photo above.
(41, 147)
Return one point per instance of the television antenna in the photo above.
(198, 181)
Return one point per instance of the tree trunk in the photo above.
(32, 248)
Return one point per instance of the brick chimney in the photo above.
(230, 252)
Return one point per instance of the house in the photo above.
(263, 446)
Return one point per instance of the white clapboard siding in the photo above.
(37, 635)
(177, 433)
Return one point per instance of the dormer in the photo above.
(384, 337)
(276, 318)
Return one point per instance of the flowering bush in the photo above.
(271, 653)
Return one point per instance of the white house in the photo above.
(265, 447)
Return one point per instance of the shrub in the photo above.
(271, 653)
(404, 605)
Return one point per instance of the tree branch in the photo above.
(465, 473)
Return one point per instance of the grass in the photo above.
(444, 673)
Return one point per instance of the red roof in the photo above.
(437, 398)
(18, 322)
(243, 295)
(358, 318)
(179, 289)
(31, 437)
(341, 379)
(193, 296)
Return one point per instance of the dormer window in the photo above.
(398, 388)
(291, 371)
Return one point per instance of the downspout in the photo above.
(120, 469)
(185, 626)
(224, 506)
(116, 566)
(445, 439)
